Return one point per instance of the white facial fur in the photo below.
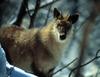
(57, 35)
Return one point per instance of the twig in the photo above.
(65, 66)
(28, 12)
(22, 13)
(32, 19)
(45, 5)
(46, 20)
(95, 58)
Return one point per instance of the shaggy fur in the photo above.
(37, 50)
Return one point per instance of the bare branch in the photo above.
(27, 11)
(37, 6)
(45, 5)
(24, 9)
(95, 58)
(46, 20)
(65, 66)
(22, 13)
(88, 26)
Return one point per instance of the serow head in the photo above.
(64, 23)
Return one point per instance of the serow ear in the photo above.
(73, 18)
(57, 14)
